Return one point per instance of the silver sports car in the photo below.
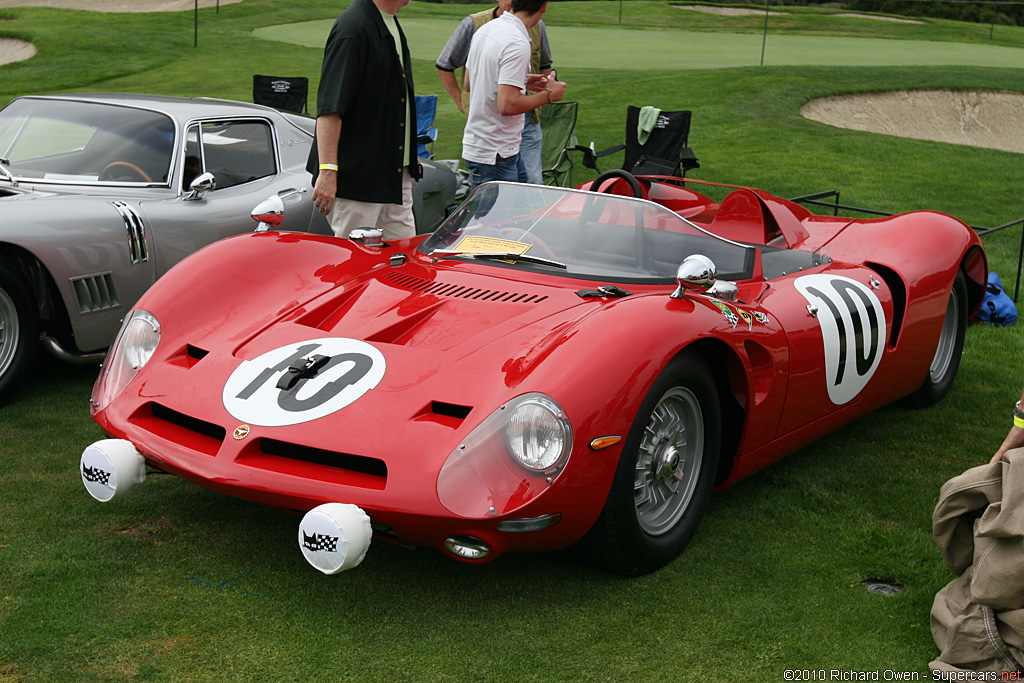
(101, 194)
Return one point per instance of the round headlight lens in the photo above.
(132, 349)
(538, 433)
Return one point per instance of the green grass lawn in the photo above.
(587, 47)
(176, 583)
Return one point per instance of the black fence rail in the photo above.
(820, 199)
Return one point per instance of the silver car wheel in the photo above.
(947, 339)
(10, 331)
(668, 463)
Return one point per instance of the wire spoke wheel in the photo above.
(946, 361)
(10, 331)
(19, 331)
(947, 340)
(665, 474)
(668, 461)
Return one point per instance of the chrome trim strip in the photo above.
(136, 230)
(59, 352)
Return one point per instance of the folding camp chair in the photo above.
(426, 134)
(281, 92)
(663, 151)
(558, 123)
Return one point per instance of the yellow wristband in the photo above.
(328, 167)
(1018, 422)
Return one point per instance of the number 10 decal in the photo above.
(852, 329)
(302, 381)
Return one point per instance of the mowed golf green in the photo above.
(618, 48)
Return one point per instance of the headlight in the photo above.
(132, 349)
(538, 433)
(512, 457)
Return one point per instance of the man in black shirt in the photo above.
(364, 157)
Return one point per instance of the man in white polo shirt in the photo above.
(498, 68)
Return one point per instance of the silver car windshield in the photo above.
(578, 233)
(85, 142)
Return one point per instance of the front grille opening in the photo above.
(192, 424)
(317, 456)
(450, 409)
(195, 352)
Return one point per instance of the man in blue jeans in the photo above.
(454, 56)
(498, 70)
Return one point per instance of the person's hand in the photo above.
(556, 88)
(537, 82)
(1015, 439)
(325, 190)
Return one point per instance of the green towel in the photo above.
(645, 123)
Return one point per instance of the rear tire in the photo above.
(665, 475)
(19, 332)
(946, 362)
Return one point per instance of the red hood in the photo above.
(457, 339)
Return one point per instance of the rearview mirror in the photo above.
(269, 213)
(204, 182)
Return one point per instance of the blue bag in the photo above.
(997, 308)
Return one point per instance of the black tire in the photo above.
(19, 332)
(662, 486)
(946, 361)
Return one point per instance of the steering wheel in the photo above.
(106, 174)
(617, 173)
(590, 206)
(517, 233)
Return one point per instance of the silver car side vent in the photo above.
(136, 232)
(95, 293)
(417, 284)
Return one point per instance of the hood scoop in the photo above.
(398, 308)
(447, 289)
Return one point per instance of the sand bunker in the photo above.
(117, 5)
(876, 18)
(708, 9)
(745, 12)
(18, 50)
(993, 120)
(12, 50)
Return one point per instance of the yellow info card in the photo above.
(482, 244)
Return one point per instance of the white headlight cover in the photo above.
(537, 433)
(509, 459)
(134, 346)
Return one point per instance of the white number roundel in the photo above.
(852, 328)
(302, 381)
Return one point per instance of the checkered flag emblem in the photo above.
(320, 542)
(95, 474)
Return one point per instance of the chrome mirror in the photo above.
(269, 213)
(204, 182)
(696, 273)
(724, 289)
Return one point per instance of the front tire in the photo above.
(665, 475)
(946, 361)
(19, 332)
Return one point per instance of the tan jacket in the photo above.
(977, 620)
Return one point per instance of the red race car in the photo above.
(551, 367)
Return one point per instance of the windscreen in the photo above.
(580, 233)
(86, 142)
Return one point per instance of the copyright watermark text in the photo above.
(893, 675)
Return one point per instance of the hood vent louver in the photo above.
(446, 289)
(95, 293)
